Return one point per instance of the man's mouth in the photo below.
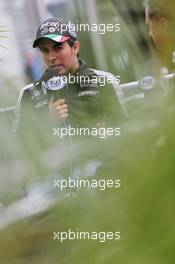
(56, 66)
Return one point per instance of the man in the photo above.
(69, 94)
(78, 98)
(160, 18)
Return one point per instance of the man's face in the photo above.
(158, 29)
(60, 56)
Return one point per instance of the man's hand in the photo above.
(58, 110)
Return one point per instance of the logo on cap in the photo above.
(57, 27)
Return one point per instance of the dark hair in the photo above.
(71, 42)
(161, 8)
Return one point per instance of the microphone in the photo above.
(54, 83)
(148, 82)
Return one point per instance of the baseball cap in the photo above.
(55, 29)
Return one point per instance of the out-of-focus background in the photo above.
(142, 158)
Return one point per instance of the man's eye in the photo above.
(44, 51)
(58, 47)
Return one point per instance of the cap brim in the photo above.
(54, 37)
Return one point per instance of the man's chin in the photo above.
(59, 70)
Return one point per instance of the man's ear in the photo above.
(76, 46)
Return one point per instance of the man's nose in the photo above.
(150, 32)
(52, 56)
